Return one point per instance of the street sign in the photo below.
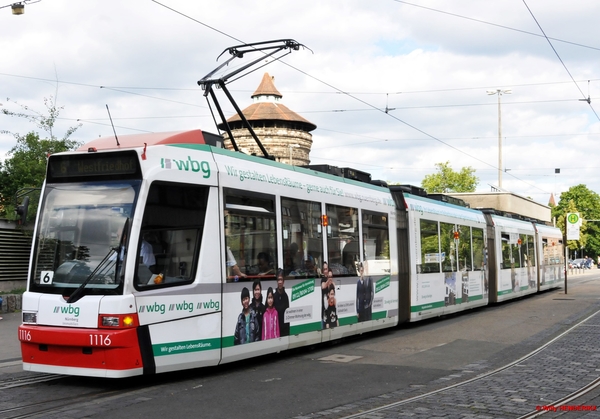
(573, 225)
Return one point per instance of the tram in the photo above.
(167, 252)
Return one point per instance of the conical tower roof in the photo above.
(267, 108)
(266, 88)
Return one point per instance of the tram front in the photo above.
(78, 259)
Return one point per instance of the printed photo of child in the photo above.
(270, 324)
(247, 328)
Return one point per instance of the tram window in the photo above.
(519, 251)
(430, 247)
(77, 226)
(478, 250)
(546, 251)
(250, 235)
(343, 247)
(302, 237)
(376, 243)
(448, 245)
(507, 256)
(552, 250)
(531, 251)
(171, 234)
(464, 249)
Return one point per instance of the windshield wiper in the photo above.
(78, 293)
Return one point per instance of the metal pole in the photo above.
(499, 141)
(566, 254)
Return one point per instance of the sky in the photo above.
(429, 63)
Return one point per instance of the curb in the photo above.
(10, 303)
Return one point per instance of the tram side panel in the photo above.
(184, 323)
(447, 253)
(129, 316)
(282, 217)
(516, 258)
(550, 256)
(403, 262)
(492, 260)
(179, 304)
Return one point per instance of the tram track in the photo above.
(47, 407)
(29, 380)
(538, 411)
(57, 407)
(564, 401)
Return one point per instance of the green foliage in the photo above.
(587, 203)
(447, 180)
(24, 169)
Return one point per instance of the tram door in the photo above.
(177, 277)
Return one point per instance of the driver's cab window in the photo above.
(169, 242)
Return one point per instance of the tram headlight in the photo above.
(110, 321)
(128, 321)
(29, 318)
(122, 321)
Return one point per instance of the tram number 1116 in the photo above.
(100, 340)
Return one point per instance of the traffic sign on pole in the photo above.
(573, 225)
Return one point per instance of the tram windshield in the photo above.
(82, 237)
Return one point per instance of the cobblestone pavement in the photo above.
(561, 368)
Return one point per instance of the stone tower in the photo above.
(283, 133)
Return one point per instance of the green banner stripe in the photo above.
(429, 306)
(227, 341)
(173, 348)
(302, 289)
(305, 328)
(379, 315)
(382, 284)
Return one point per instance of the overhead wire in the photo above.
(561, 61)
(354, 97)
(494, 24)
(338, 91)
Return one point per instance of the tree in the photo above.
(447, 180)
(25, 165)
(587, 203)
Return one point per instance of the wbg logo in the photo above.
(156, 308)
(73, 311)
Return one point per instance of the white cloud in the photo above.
(431, 65)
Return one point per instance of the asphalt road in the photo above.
(357, 373)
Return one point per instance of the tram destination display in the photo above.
(90, 165)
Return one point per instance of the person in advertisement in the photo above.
(270, 324)
(247, 328)
(330, 318)
(326, 282)
(364, 296)
(282, 303)
(257, 305)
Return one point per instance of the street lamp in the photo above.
(499, 92)
(19, 7)
(291, 146)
